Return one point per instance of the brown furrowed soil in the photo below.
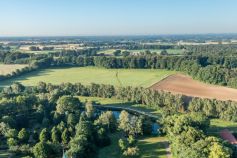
(181, 84)
(8, 69)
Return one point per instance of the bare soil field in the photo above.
(8, 69)
(181, 84)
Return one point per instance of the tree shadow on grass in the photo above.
(132, 106)
(25, 77)
(215, 130)
(153, 150)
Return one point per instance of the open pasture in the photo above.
(150, 147)
(87, 75)
(8, 69)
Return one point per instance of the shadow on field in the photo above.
(25, 77)
(132, 106)
(147, 148)
(216, 129)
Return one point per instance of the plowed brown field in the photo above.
(181, 84)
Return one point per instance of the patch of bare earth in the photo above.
(182, 84)
(8, 69)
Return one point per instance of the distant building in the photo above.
(228, 136)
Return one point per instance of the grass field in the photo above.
(170, 51)
(4, 154)
(120, 103)
(87, 75)
(216, 125)
(39, 52)
(151, 147)
(8, 69)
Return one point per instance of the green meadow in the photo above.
(87, 75)
(150, 147)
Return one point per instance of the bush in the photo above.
(11, 142)
(131, 152)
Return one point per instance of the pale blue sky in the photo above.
(116, 17)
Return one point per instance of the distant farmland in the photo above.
(87, 75)
(181, 84)
(8, 69)
(169, 51)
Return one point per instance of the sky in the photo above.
(116, 17)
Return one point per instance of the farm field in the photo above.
(87, 75)
(170, 51)
(181, 84)
(39, 52)
(150, 147)
(8, 69)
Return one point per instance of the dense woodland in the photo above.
(46, 117)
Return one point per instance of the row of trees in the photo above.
(226, 110)
(168, 103)
(35, 48)
(218, 50)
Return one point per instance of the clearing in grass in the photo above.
(217, 125)
(150, 147)
(6, 69)
(88, 75)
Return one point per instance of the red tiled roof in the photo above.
(226, 135)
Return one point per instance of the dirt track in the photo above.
(181, 84)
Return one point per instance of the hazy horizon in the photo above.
(116, 18)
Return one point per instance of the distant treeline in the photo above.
(134, 46)
(220, 50)
(212, 69)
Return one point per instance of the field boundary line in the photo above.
(161, 80)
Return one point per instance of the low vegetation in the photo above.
(6, 69)
(87, 75)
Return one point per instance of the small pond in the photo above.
(155, 125)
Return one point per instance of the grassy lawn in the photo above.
(41, 52)
(102, 101)
(8, 69)
(150, 147)
(111, 151)
(4, 154)
(153, 147)
(216, 125)
(107, 51)
(87, 75)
